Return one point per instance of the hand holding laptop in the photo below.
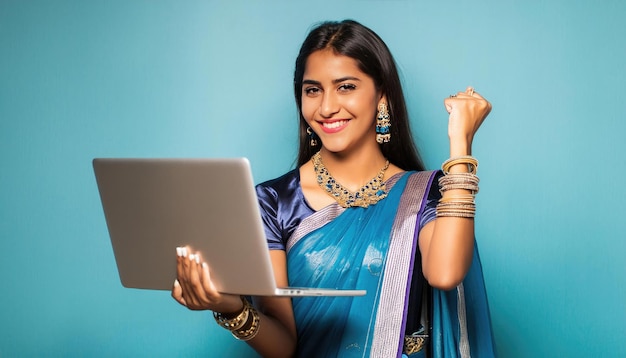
(194, 289)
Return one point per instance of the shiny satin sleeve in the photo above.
(282, 207)
(430, 208)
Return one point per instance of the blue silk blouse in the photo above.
(283, 207)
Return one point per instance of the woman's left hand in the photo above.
(467, 112)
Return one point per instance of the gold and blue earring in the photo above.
(312, 136)
(383, 124)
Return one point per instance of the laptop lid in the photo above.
(152, 206)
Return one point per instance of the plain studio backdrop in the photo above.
(85, 79)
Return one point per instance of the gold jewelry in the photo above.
(369, 194)
(461, 199)
(467, 181)
(456, 212)
(472, 163)
(250, 332)
(458, 204)
(235, 322)
(414, 343)
(312, 136)
(240, 326)
(471, 91)
(382, 124)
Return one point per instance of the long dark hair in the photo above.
(350, 38)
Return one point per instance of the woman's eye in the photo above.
(311, 91)
(346, 87)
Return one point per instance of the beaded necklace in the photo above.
(367, 195)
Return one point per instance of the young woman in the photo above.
(361, 212)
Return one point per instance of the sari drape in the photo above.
(461, 323)
(375, 249)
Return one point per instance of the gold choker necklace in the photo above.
(369, 194)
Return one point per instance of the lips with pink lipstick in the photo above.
(333, 126)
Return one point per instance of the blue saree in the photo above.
(375, 249)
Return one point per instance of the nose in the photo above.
(329, 105)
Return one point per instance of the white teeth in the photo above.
(334, 124)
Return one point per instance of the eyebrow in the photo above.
(338, 80)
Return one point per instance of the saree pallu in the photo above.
(374, 249)
(461, 324)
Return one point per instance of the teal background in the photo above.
(85, 79)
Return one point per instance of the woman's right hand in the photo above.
(194, 289)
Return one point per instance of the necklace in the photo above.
(368, 194)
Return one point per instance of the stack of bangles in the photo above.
(244, 326)
(454, 204)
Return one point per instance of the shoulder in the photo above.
(284, 182)
(282, 191)
(282, 207)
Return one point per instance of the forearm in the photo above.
(263, 331)
(450, 243)
(276, 334)
(274, 338)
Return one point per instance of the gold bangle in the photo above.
(466, 198)
(456, 215)
(459, 177)
(237, 322)
(458, 208)
(465, 186)
(471, 162)
(467, 181)
(250, 332)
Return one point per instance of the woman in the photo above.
(361, 212)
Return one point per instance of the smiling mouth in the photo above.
(334, 124)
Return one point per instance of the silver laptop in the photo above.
(153, 206)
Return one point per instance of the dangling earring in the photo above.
(382, 124)
(313, 137)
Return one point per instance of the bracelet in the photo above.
(467, 186)
(464, 199)
(237, 322)
(241, 326)
(458, 204)
(456, 210)
(471, 162)
(466, 181)
(459, 178)
(455, 214)
(250, 332)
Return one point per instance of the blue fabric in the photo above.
(283, 207)
(342, 326)
(446, 326)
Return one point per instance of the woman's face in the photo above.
(339, 102)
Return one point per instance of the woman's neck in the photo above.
(353, 170)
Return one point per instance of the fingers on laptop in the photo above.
(196, 290)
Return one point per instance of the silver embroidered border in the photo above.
(314, 222)
(464, 347)
(390, 314)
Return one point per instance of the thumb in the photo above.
(177, 293)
